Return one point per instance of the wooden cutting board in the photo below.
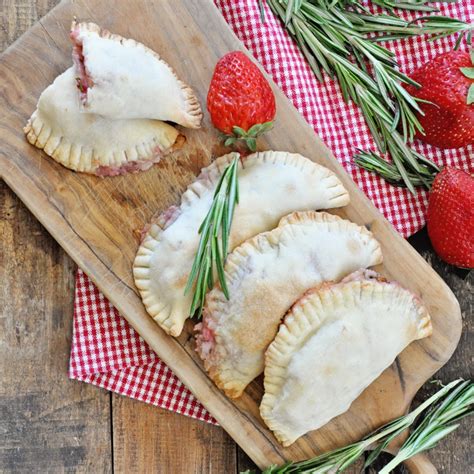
(96, 220)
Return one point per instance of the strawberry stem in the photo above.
(249, 137)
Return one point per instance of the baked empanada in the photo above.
(91, 143)
(265, 275)
(122, 78)
(333, 343)
(271, 184)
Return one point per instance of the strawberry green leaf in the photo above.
(468, 72)
(249, 137)
(254, 130)
(252, 144)
(238, 131)
(266, 126)
(470, 95)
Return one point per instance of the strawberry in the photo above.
(240, 99)
(448, 82)
(451, 217)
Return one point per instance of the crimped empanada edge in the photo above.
(84, 159)
(192, 107)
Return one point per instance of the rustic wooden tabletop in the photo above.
(51, 424)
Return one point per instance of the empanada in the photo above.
(265, 275)
(334, 342)
(122, 78)
(271, 184)
(91, 143)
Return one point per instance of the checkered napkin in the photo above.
(107, 352)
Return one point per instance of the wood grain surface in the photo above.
(42, 418)
(96, 220)
(45, 292)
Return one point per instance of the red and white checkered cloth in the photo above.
(107, 352)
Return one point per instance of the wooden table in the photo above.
(51, 424)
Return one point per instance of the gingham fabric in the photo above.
(107, 352)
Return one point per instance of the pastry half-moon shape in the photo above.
(334, 342)
(91, 143)
(122, 78)
(265, 275)
(271, 184)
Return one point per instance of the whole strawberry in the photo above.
(446, 81)
(451, 217)
(240, 99)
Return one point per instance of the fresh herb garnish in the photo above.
(214, 243)
(334, 37)
(438, 423)
(449, 404)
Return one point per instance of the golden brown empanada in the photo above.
(121, 78)
(91, 143)
(334, 342)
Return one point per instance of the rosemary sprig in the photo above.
(449, 404)
(372, 162)
(418, 5)
(391, 27)
(214, 242)
(336, 37)
(390, 5)
(437, 424)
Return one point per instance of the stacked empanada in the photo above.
(335, 340)
(271, 185)
(337, 337)
(105, 115)
(265, 275)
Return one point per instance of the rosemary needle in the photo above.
(437, 424)
(214, 242)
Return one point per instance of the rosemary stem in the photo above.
(213, 244)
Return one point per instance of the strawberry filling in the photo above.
(169, 216)
(205, 339)
(130, 167)
(84, 81)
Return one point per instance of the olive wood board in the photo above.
(97, 221)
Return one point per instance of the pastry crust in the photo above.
(126, 79)
(271, 184)
(265, 275)
(91, 143)
(334, 342)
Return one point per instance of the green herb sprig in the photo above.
(418, 5)
(449, 404)
(337, 37)
(214, 242)
(438, 423)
